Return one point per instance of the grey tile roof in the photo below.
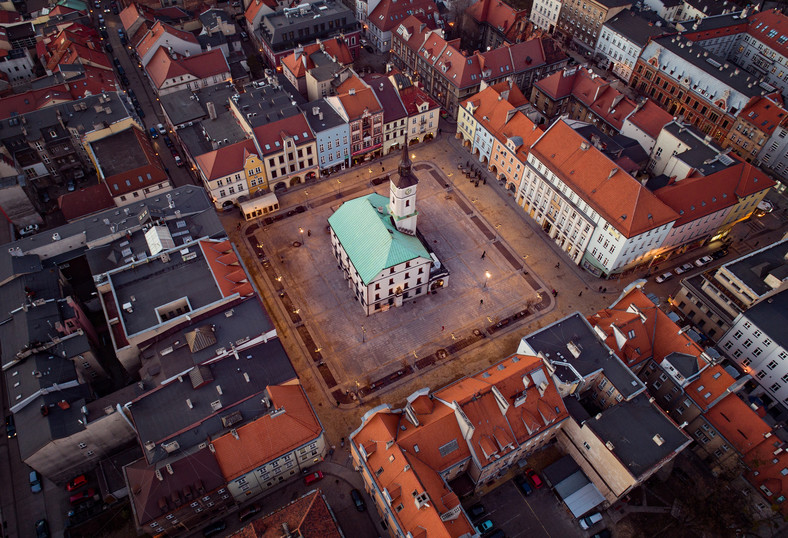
(631, 426)
(265, 364)
(13, 266)
(266, 103)
(702, 153)
(687, 365)
(186, 106)
(35, 430)
(277, 26)
(594, 357)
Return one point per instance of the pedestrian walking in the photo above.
(558, 265)
(580, 294)
(604, 290)
(484, 181)
(554, 292)
(481, 302)
(484, 254)
(309, 233)
(443, 328)
(238, 227)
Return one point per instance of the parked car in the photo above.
(684, 268)
(604, 533)
(10, 427)
(484, 526)
(248, 512)
(140, 112)
(71, 186)
(42, 529)
(663, 277)
(497, 533)
(30, 229)
(124, 80)
(162, 129)
(103, 32)
(167, 141)
(214, 528)
(76, 482)
(721, 253)
(763, 207)
(311, 478)
(108, 47)
(589, 521)
(537, 482)
(476, 511)
(174, 151)
(35, 482)
(153, 132)
(244, 36)
(525, 487)
(178, 161)
(705, 260)
(358, 500)
(82, 496)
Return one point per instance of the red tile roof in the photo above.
(650, 118)
(764, 113)
(712, 383)
(85, 201)
(765, 465)
(308, 517)
(162, 66)
(299, 62)
(157, 31)
(696, 197)
(129, 16)
(389, 13)
(357, 98)
(498, 15)
(255, 6)
(773, 22)
(626, 204)
(8, 17)
(558, 85)
(270, 136)
(270, 436)
(412, 97)
(655, 335)
(226, 160)
(226, 268)
(738, 423)
(33, 100)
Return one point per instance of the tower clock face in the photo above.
(408, 191)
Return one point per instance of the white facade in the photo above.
(275, 471)
(18, 65)
(696, 229)
(666, 12)
(585, 236)
(483, 141)
(225, 189)
(667, 146)
(646, 141)
(774, 154)
(762, 60)
(622, 53)
(402, 207)
(150, 191)
(174, 44)
(175, 84)
(544, 14)
(757, 353)
(423, 123)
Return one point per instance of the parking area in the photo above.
(539, 515)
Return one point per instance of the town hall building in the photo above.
(377, 245)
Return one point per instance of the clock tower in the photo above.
(402, 196)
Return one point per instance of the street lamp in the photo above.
(339, 187)
(306, 193)
(301, 231)
(487, 276)
(363, 334)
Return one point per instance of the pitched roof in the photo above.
(712, 383)
(300, 60)
(388, 97)
(765, 466)
(497, 14)
(770, 27)
(696, 197)
(357, 98)
(738, 423)
(270, 436)
(162, 66)
(626, 204)
(373, 243)
(256, 6)
(157, 31)
(225, 160)
(308, 517)
(129, 15)
(559, 84)
(650, 118)
(389, 13)
(85, 201)
(269, 136)
(413, 96)
(764, 113)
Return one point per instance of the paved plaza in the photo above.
(359, 348)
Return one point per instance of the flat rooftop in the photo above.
(146, 287)
(165, 414)
(594, 356)
(754, 268)
(119, 153)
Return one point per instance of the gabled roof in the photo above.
(389, 13)
(412, 97)
(162, 66)
(269, 136)
(770, 27)
(307, 517)
(300, 60)
(696, 197)
(129, 16)
(387, 96)
(85, 201)
(373, 243)
(712, 383)
(650, 118)
(225, 160)
(291, 423)
(158, 30)
(626, 204)
(497, 14)
(558, 85)
(255, 6)
(357, 98)
(765, 113)
(765, 470)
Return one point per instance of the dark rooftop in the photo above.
(771, 316)
(553, 342)
(119, 153)
(638, 26)
(329, 120)
(264, 103)
(753, 269)
(193, 415)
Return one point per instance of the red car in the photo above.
(82, 496)
(530, 473)
(76, 483)
(311, 478)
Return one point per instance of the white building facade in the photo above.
(544, 14)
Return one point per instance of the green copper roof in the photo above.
(73, 4)
(372, 242)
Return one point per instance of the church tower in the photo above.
(402, 196)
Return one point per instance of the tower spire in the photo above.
(404, 164)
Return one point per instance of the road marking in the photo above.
(532, 511)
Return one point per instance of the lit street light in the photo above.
(487, 276)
